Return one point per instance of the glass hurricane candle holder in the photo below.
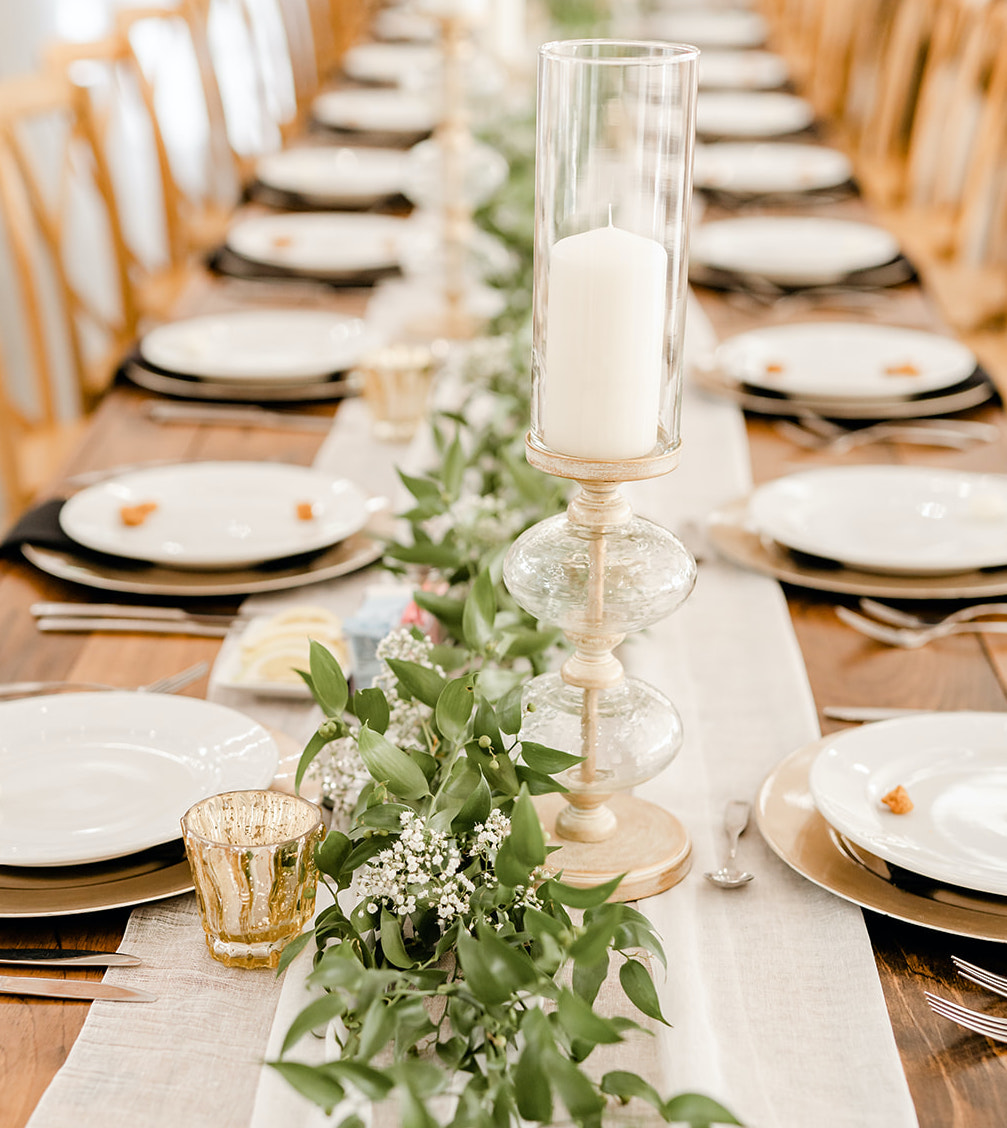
(616, 123)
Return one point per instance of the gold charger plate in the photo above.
(970, 393)
(728, 533)
(797, 833)
(112, 574)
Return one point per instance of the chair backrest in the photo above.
(67, 314)
(66, 258)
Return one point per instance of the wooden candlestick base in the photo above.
(650, 846)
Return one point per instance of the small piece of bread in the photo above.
(305, 511)
(897, 801)
(133, 515)
(774, 369)
(906, 369)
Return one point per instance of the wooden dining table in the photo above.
(955, 1077)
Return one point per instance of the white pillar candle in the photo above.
(601, 387)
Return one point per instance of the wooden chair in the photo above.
(68, 311)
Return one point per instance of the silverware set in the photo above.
(910, 632)
(979, 1022)
(87, 990)
(813, 432)
(77, 618)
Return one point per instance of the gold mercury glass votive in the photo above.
(397, 381)
(252, 855)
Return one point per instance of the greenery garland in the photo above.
(453, 971)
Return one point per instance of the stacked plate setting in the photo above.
(254, 355)
(94, 785)
(847, 370)
(953, 768)
(207, 529)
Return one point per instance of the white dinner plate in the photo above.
(792, 250)
(898, 520)
(389, 62)
(263, 346)
(954, 769)
(742, 70)
(91, 776)
(335, 175)
(216, 515)
(726, 113)
(762, 168)
(320, 243)
(728, 27)
(375, 111)
(844, 361)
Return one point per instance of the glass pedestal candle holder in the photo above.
(616, 125)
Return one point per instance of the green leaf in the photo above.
(330, 688)
(479, 613)
(454, 707)
(377, 1029)
(432, 555)
(640, 989)
(538, 783)
(370, 706)
(493, 970)
(508, 867)
(333, 852)
(313, 747)
(371, 1082)
(384, 816)
(448, 656)
(532, 1088)
(476, 808)
(508, 710)
(596, 936)
(697, 1110)
(526, 838)
(581, 1098)
(579, 1020)
(423, 489)
(312, 1081)
(292, 950)
(418, 681)
(485, 724)
(315, 1014)
(548, 760)
(391, 941)
(579, 898)
(351, 1121)
(588, 978)
(389, 764)
(444, 608)
(453, 467)
(625, 1086)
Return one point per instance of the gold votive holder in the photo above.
(252, 855)
(397, 382)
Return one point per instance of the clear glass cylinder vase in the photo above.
(615, 135)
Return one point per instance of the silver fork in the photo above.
(169, 684)
(988, 979)
(949, 435)
(911, 638)
(989, 1025)
(899, 618)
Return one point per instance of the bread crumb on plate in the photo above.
(897, 801)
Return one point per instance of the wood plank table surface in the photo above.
(955, 1077)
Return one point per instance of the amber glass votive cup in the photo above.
(252, 855)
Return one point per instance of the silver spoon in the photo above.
(736, 817)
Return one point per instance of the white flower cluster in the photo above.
(486, 359)
(420, 870)
(490, 835)
(484, 521)
(342, 775)
(407, 718)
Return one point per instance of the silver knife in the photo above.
(129, 611)
(856, 713)
(66, 957)
(242, 416)
(137, 626)
(70, 989)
